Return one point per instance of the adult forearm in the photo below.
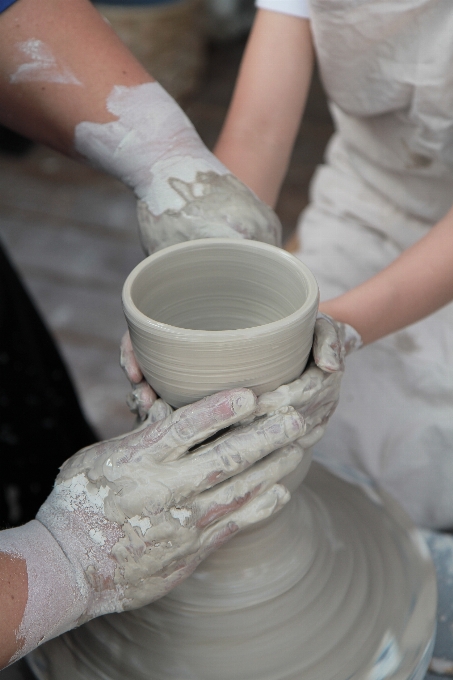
(59, 60)
(67, 80)
(13, 598)
(268, 103)
(416, 284)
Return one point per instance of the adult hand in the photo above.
(214, 206)
(130, 518)
(185, 192)
(316, 393)
(147, 513)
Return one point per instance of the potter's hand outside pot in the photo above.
(152, 510)
(316, 393)
(130, 518)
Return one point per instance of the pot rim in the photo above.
(137, 318)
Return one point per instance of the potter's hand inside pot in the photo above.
(212, 205)
(184, 191)
(316, 393)
(129, 519)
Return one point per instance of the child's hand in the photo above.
(316, 393)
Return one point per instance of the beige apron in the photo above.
(387, 67)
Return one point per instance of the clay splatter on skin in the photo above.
(185, 191)
(41, 65)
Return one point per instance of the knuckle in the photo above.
(184, 427)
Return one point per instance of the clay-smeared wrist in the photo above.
(151, 145)
(185, 192)
(57, 593)
(74, 515)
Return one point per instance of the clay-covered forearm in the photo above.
(416, 284)
(59, 60)
(268, 102)
(68, 81)
(13, 598)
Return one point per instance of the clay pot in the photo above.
(211, 314)
(337, 586)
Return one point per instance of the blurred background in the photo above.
(71, 231)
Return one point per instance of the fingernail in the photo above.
(282, 494)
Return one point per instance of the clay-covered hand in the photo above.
(316, 393)
(215, 206)
(184, 191)
(130, 518)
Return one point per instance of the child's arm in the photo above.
(415, 285)
(268, 102)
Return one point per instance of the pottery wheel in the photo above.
(338, 586)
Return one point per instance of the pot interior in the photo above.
(216, 288)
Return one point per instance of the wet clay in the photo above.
(338, 585)
(211, 314)
(213, 204)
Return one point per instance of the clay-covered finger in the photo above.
(171, 438)
(240, 448)
(296, 394)
(232, 494)
(128, 362)
(327, 345)
(141, 399)
(352, 340)
(158, 411)
(312, 438)
(257, 510)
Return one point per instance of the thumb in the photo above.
(128, 361)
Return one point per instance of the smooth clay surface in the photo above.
(339, 585)
(211, 314)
